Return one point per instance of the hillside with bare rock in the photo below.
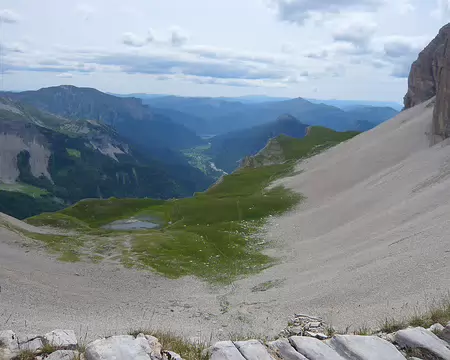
(429, 77)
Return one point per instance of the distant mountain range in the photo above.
(222, 115)
(59, 161)
(342, 104)
(62, 144)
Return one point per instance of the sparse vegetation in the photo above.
(74, 153)
(186, 349)
(266, 285)
(392, 325)
(421, 353)
(214, 235)
(25, 355)
(47, 349)
(363, 331)
(438, 312)
(330, 331)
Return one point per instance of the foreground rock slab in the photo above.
(365, 348)
(253, 350)
(314, 349)
(225, 350)
(284, 349)
(30, 342)
(420, 338)
(124, 347)
(62, 339)
(63, 355)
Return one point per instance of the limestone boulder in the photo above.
(63, 355)
(225, 350)
(420, 338)
(253, 350)
(123, 347)
(61, 339)
(365, 348)
(314, 349)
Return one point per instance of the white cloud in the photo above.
(441, 10)
(85, 10)
(357, 30)
(8, 16)
(134, 40)
(404, 7)
(178, 36)
(370, 40)
(402, 46)
(288, 48)
(298, 11)
(65, 75)
(13, 48)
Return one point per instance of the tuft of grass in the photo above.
(363, 331)
(25, 355)
(47, 349)
(330, 331)
(392, 325)
(420, 353)
(438, 312)
(170, 342)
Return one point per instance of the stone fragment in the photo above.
(314, 349)
(123, 347)
(419, 337)
(320, 336)
(314, 324)
(225, 350)
(62, 339)
(30, 342)
(445, 334)
(6, 354)
(63, 355)
(365, 348)
(170, 355)
(285, 350)
(436, 328)
(8, 340)
(253, 350)
(151, 345)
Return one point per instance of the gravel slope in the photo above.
(373, 237)
(371, 240)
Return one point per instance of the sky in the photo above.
(324, 49)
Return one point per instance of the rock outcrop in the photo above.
(430, 76)
(271, 154)
(63, 345)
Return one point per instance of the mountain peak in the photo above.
(429, 77)
(287, 118)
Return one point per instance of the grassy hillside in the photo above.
(213, 235)
(86, 159)
(228, 149)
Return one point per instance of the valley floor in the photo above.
(370, 242)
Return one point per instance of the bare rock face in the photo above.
(430, 76)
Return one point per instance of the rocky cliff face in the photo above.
(430, 76)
